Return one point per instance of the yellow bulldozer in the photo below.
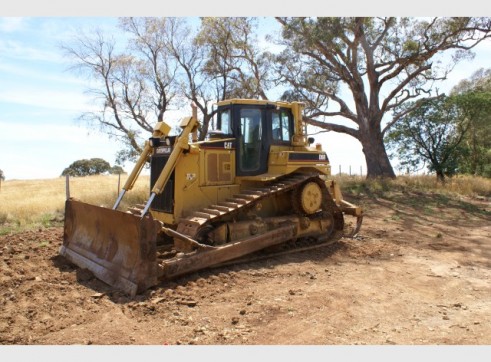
(255, 183)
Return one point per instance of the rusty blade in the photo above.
(118, 248)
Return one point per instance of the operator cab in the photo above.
(255, 126)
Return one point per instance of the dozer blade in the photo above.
(118, 248)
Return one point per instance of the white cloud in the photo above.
(35, 74)
(11, 24)
(43, 132)
(50, 99)
(17, 50)
(44, 150)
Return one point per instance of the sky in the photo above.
(41, 100)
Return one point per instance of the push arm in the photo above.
(161, 129)
(189, 125)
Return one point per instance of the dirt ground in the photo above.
(418, 273)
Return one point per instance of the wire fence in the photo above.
(350, 170)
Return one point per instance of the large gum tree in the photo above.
(380, 63)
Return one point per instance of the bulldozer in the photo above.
(254, 183)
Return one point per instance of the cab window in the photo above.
(224, 123)
(281, 126)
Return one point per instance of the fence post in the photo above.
(350, 170)
(361, 173)
(67, 186)
(119, 181)
(339, 169)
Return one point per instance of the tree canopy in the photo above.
(430, 135)
(381, 64)
(88, 167)
(473, 96)
(450, 134)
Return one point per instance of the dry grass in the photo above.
(458, 185)
(34, 203)
(42, 202)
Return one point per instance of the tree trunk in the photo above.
(440, 176)
(204, 127)
(378, 164)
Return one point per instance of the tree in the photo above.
(233, 60)
(133, 88)
(220, 61)
(430, 134)
(473, 96)
(2, 175)
(116, 170)
(164, 63)
(383, 63)
(194, 83)
(84, 167)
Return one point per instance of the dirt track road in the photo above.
(419, 273)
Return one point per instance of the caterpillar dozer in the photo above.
(255, 183)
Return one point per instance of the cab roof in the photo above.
(255, 102)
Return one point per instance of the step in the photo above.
(246, 197)
(220, 208)
(213, 212)
(237, 201)
(201, 215)
(232, 205)
(253, 192)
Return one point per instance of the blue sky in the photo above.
(40, 100)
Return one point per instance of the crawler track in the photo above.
(198, 227)
(227, 210)
(246, 200)
(287, 248)
(291, 247)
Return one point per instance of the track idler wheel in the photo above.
(308, 198)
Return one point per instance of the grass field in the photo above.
(35, 203)
(458, 185)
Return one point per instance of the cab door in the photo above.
(252, 155)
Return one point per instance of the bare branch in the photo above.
(331, 126)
